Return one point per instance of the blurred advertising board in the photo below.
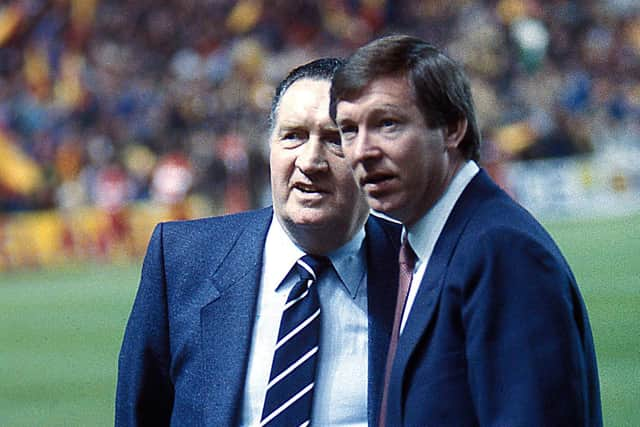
(56, 237)
(602, 184)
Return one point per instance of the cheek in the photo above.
(342, 172)
(281, 164)
(413, 157)
(348, 189)
(280, 172)
(354, 169)
(347, 149)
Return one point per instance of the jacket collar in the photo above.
(227, 319)
(480, 189)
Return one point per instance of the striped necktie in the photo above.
(290, 389)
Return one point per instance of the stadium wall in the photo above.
(605, 184)
(56, 237)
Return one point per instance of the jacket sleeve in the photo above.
(531, 360)
(144, 394)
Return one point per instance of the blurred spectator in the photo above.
(185, 85)
(171, 182)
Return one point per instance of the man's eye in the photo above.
(292, 135)
(387, 123)
(293, 138)
(333, 139)
(348, 131)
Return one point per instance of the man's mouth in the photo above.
(375, 179)
(308, 189)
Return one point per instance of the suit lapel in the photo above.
(382, 286)
(427, 298)
(227, 320)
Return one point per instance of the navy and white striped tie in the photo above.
(290, 389)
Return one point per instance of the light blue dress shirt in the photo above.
(424, 234)
(340, 392)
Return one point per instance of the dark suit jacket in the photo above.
(498, 334)
(184, 355)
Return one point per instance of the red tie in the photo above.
(407, 260)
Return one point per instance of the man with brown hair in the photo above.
(490, 328)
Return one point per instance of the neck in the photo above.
(322, 240)
(456, 165)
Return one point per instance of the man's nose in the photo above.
(364, 146)
(312, 158)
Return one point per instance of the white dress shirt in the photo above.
(424, 234)
(340, 391)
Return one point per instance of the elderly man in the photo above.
(275, 317)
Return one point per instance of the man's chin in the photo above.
(379, 204)
(314, 218)
(385, 207)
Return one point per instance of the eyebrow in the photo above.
(290, 126)
(384, 108)
(329, 126)
(381, 110)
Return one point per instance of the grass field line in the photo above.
(62, 329)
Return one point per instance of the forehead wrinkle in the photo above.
(306, 118)
(305, 107)
(349, 114)
(385, 85)
(383, 95)
(308, 123)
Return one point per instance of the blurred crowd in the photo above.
(106, 102)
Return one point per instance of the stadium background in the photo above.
(117, 114)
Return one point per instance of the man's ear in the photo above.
(455, 131)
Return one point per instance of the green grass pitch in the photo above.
(60, 330)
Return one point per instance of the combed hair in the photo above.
(441, 89)
(319, 69)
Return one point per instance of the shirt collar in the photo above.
(425, 232)
(281, 253)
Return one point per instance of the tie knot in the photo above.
(309, 267)
(407, 256)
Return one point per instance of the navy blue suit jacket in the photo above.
(498, 334)
(184, 354)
